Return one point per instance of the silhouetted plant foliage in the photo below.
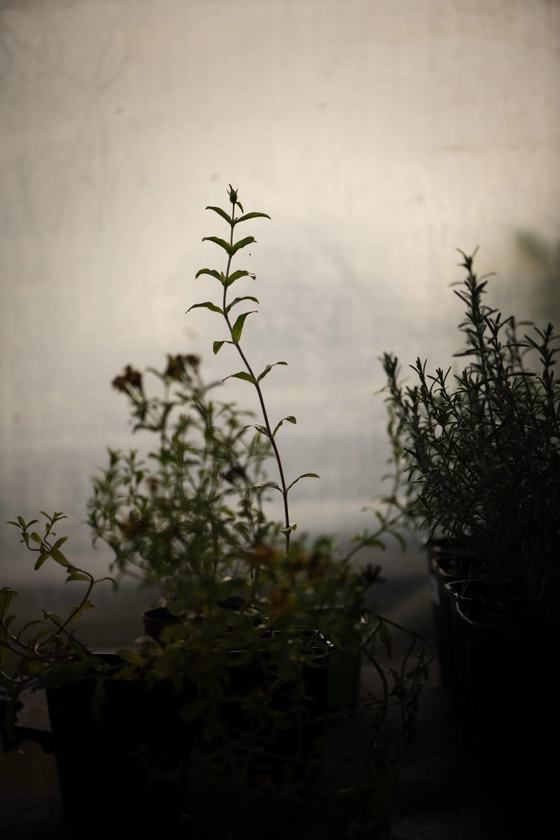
(259, 613)
(483, 447)
(191, 509)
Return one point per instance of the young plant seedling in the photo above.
(235, 327)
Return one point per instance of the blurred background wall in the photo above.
(378, 134)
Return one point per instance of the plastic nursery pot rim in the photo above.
(437, 564)
(270, 634)
(160, 614)
(452, 587)
(499, 625)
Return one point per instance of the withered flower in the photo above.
(130, 377)
(177, 366)
(236, 472)
(134, 526)
(370, 575)
(153, 484)
(192, 360)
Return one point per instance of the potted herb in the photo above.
(253, 614)
(109, 731)
(146, 733)
(484, 454)
(392, 515)
(188, 510)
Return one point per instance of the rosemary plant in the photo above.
(484, 447)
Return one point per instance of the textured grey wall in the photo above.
(378, 134)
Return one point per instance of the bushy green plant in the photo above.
(188, 516)
(42, 646)
(483, 447)
(244, 683)
(184, 516)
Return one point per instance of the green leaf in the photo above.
(35, 621)
(42, 557)
(53, 617)
(211, 271)
(36, 538)
(305, 475)
(130, 656)
(87, 605)
(262, 485)
(6, 596)
(239, 299)
(236, 275)
(267, 369)
(59, 557)
(76, 576)
(30, 668)
(252, 216)
(237, 246)
(241, 375)
(290, 419)
(237, 328)
(60, 542)
(262, 429)
(127, 672)
(46, 631)
(217, 346)
(368, 542)
(222, 213)
(207, 305)
(221, 242)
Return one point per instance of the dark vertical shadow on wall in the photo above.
(540, 275)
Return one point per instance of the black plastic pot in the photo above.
(8, 743)
(447, 563)
(514, 688)
(296, 750)
(113, 768)
(344, 669)
(297, 746)
(156, 619)
(459, 691)
(344, 665)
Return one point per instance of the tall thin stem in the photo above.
(249, 369)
